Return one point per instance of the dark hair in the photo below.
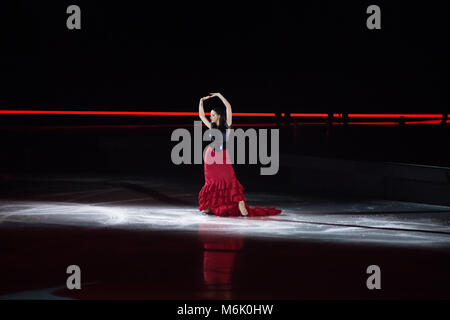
(223, 116)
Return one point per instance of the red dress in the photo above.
(222, 191)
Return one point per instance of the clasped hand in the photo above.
(216, 94)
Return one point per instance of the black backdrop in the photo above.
(314, 56)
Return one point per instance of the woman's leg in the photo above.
(242, 208)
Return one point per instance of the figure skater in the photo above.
(222, 194)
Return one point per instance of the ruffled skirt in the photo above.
(222, 191)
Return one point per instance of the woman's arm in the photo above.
(201, 112)
(227, 105)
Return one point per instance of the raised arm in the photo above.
(201, 112)
(227, 105)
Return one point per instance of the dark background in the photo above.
(313, 56)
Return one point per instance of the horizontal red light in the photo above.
(424, 122)
(98, 112)
(309, 115)
(358, 115)
(373, 123)
(361, 115)
(137, 113)
(237, 114)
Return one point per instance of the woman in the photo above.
(222, 194)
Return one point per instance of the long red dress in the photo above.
(222, 191)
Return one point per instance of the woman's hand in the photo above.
(215, 94)
(205, 98)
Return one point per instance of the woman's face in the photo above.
(214, 117)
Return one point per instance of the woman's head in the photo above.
(218, 116)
